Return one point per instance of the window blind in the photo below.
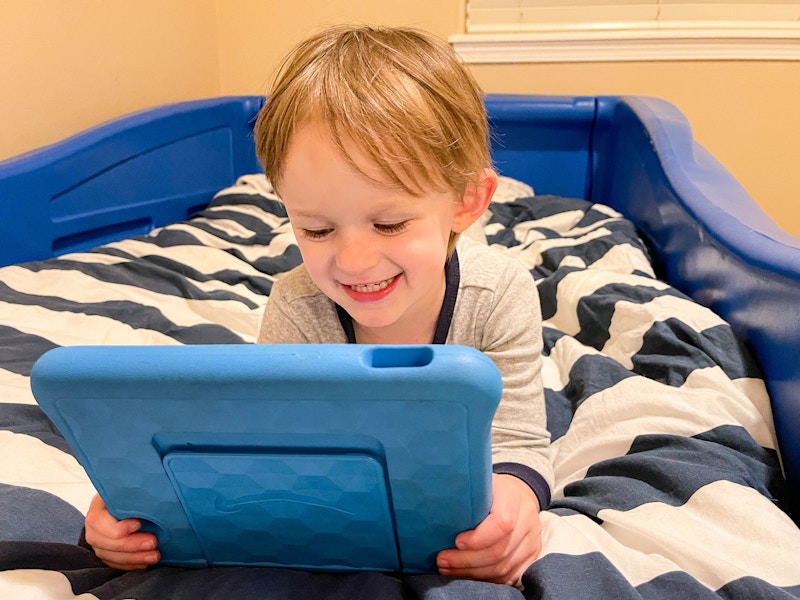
(549, 15)
(513, 31)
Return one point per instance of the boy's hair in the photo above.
(400, 96)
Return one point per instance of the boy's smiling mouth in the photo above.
(365, 288)
(370, 292)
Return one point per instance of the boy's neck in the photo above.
(397, 333)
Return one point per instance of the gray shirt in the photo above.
(496, 311)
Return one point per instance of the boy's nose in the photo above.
(355, 253)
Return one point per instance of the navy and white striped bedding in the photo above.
(668, 481)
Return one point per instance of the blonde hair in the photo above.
(400, 96)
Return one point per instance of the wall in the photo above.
(68, 65)
(255, 34)
(742, 112)
(71, 65)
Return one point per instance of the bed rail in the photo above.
(123, 178)
(708, 237)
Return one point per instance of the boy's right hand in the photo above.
(119, 544)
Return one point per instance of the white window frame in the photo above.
(667, 36)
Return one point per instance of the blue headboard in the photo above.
(124, 178)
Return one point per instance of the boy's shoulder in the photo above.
(485, 266)
(296, 284)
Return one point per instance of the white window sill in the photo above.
(747, 41)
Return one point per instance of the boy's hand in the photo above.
(119, 544)
(506, 542)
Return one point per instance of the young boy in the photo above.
(376, 139)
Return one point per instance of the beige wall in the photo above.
(70, 65)
(744, 113)
(256, 33)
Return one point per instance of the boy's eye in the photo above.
(315, 234)
(390, 228)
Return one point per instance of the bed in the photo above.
(672, 330)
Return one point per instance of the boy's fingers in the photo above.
(100, 519)
(101, 525)
(501, 547)
(488, 574)
(484, 565)
(127, 561)
(464, 563)
(483, 547)
(491, 531)
(137, 542)
(119, 544)
(502, 563)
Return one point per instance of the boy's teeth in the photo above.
(371, 287)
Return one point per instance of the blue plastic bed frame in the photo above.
(707, 235)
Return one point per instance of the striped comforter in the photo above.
(668, 482)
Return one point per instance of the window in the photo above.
(597, 30)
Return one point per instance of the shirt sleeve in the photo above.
(297, 312)
(498, 313)
(278, 325)
(512, 338)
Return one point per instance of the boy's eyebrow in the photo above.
(401, 212)
(303, 213)
(381, 205)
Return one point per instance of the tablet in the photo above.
(322, 457)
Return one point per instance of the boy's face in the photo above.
(377, 251)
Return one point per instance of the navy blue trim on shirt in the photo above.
(530, 476)
(452, 277)
(347, 324)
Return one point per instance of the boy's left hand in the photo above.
(505, 543)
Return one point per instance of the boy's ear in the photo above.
(475, 200)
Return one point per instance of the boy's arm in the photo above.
(512, 338)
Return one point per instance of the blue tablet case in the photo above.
(322, 457)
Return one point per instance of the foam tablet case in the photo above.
(322, 457)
